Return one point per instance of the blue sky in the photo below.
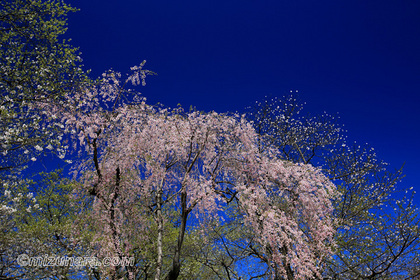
(360, 58)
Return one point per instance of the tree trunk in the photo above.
(176, 264)
(160, 230)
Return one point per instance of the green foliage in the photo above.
(37, 70)
(42, 224)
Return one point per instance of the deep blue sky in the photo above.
(360, 58)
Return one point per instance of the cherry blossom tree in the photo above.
(188, 194)
(378, 234)
(151, 167)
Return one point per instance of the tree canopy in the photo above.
(37, 69)
(269, 194)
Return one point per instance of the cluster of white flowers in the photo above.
(7, 193)
(38, 148)
(7, 209)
